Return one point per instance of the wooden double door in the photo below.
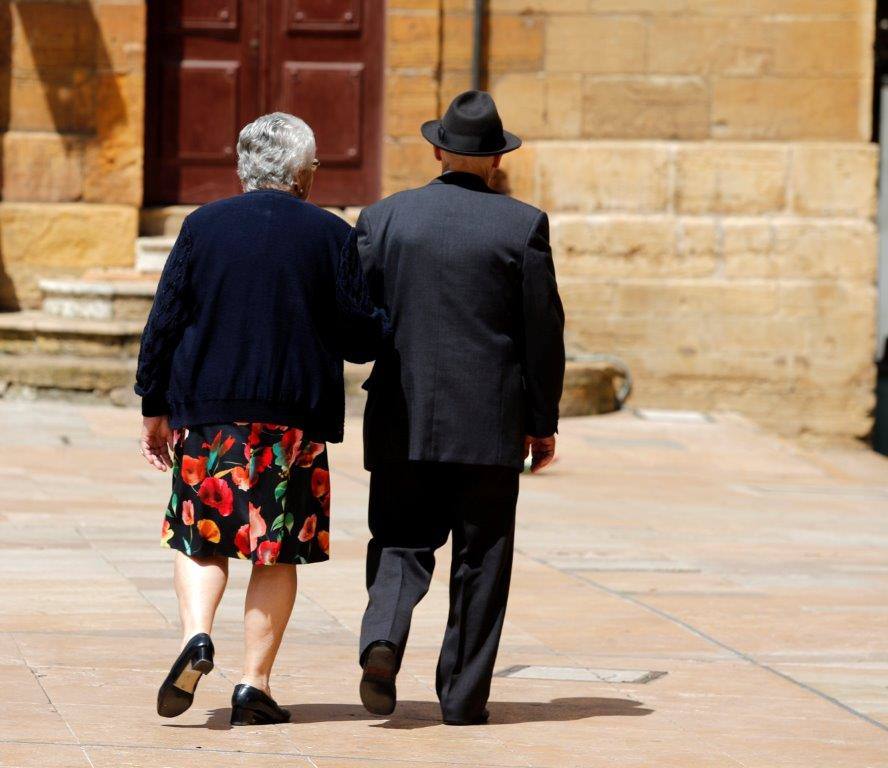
(215, 65)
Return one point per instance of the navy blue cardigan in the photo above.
(261, 299)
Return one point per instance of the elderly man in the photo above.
(472, 382)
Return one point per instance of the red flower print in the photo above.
(307, 457)
(188, 512)
(320, 483)
(166, 533)
(324, 541)
(240, 476)
(217, 493)
(242, 540)
(209, 530)
(291, 443)
(194, 469)
(308, 528)
(268, 552)
(219, 445)
(255, 435)
(261, 460)
(257, 526)
(320, 488)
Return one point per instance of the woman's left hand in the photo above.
(157, 442)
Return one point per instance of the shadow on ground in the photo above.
(425, 714)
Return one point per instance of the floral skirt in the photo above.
(258, 492)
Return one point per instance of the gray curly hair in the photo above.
(272, 150)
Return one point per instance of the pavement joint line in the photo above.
(120, 573)
(738, 653)
(214, 751)
(50, 701)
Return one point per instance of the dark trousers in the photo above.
(414, 506)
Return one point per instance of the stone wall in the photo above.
(71, 116)
(705, 164)
(707, 171)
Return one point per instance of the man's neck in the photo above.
(485, 177)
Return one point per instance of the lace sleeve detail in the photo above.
(168, 316)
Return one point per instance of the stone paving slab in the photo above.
(752, 571)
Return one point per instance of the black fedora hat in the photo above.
(471, 126)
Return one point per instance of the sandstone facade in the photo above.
(705, 164)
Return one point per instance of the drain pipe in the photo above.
(479, 70)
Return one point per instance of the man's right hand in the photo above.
(542, 449)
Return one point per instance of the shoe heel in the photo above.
(202, 660)
(244, 716)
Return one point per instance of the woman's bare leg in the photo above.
(200, 582)
(267, 609)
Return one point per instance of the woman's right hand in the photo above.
(157, 442)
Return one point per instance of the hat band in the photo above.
(471, 143)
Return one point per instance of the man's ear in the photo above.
(497, 160)
(438, 154)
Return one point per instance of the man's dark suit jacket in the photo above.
(477, 363)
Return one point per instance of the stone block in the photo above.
(407, 163)
(538, 6)
(826, 250)
(705, 45)
(812, 299)
(834, 179)
(53, 35)
(515, 42)
(113, 160)
(730, 178)
(45, 240)
(120, 38)
(58, 99)
(410, 100)
(453, 83)
(697, 298)
(518, 172)
(657, 108)
(603, 176)
(412, 40)
(423, 5)
(631, 246)
(535, 105)
(829, 47)
(748, 248)
(595, 44)
(589, 388)
(41, 166)
(790, 108)
(613, 245)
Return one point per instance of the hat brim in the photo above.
(429, 132)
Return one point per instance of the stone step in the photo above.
(100, 296)
(36, 332)
(63, 376)
(152, 252)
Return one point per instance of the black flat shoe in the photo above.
(378, 693)
(250, 706)
(479, 720)
(177, 692)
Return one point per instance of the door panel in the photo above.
(214, 65)
(327, 69)
(331, 15)
(206, 125)
(204, 14)
(203, 66)
(328, 97)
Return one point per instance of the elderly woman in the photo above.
(240, 374)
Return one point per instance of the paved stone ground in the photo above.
(754, 574)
